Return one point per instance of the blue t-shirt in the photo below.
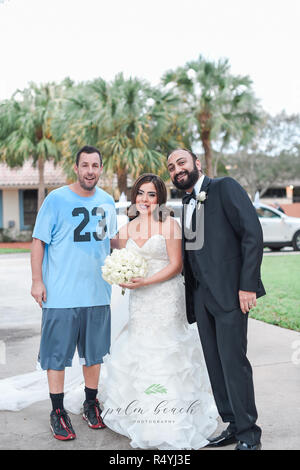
(77, 232)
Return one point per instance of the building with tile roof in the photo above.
(18, 196)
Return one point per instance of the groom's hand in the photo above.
(247, 300)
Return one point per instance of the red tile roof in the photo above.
(292, 209)
(27, 175)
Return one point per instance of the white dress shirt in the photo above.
(192, 204)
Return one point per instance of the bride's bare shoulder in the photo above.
(125, 230)
(123, 235)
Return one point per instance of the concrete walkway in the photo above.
(274, 353)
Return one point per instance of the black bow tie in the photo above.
(187, 197)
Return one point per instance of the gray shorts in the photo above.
(63, 329)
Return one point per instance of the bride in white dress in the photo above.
(155, 388)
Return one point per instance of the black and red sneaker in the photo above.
(61, 425)
(92, 414)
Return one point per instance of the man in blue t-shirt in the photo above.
(71, 239)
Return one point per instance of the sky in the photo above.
(48, 40)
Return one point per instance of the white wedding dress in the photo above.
(156, 389)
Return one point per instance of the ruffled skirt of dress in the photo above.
(156, 391)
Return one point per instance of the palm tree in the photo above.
(25, 128)
(220, 105)
(73, 125)
(129, 142)
(132, 123)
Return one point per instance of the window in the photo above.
(28, 208)
(296, 194)
(275, 193)
(266, 213)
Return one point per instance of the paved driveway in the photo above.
(274, 353)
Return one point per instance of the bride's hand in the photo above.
(134, 283)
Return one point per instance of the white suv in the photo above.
(279, 229)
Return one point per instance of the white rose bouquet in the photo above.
(122, 266)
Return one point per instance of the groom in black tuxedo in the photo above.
(222, 255)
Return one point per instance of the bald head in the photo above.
(183, 152)
(184, 169)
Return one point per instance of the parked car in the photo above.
(279, 229)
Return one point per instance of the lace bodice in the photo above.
(151, 308)
(154, 250)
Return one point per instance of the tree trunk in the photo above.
(204, 118)
(207, 153)
(41, 187)
(122, 180)
(218, 156)
(216, 161)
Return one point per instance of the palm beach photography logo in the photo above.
(155, 388)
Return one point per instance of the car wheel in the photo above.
(296, 241)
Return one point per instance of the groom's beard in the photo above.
(191, 180)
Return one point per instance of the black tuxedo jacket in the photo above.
(231, 256)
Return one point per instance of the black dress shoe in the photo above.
(244, 446)
(225, 439)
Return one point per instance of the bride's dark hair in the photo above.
(161, 211)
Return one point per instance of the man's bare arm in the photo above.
(38, 289)
(114, 242)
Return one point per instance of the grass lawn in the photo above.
(281, 305)
(13, 250)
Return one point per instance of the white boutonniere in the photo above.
(201, 197)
